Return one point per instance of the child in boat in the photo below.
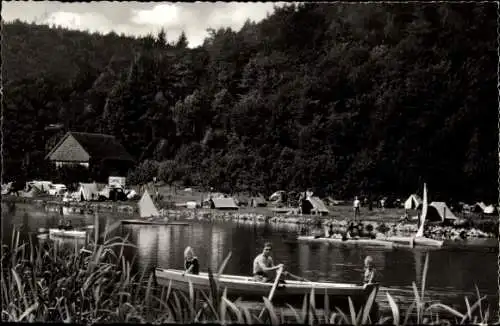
(68, 225)
(191, 265)
(369, 271)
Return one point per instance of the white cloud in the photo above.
(93, 22)
(160, 15)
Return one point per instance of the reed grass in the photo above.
(44, 282)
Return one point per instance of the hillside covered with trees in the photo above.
(340, 98)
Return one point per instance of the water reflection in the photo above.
(451, 274)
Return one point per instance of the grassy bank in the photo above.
(46, 282)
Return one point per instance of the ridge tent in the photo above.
(147, 208)
(87, 191)
(439, 211)
(223, 203)
(413, 202)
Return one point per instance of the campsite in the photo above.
(250, 163)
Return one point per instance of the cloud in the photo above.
(138, 18)
(160, 15)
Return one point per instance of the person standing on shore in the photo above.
(355, 205)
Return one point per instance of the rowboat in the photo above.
(349, 242)
(146, 222)
(67, 233)
(292, 292)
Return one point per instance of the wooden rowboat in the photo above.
(67, 233)
(349, 242)
(146, 222)
(292, 292)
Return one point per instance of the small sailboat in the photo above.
(149, 213)
(419, 239)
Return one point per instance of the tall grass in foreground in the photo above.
(44, 282)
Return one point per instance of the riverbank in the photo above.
(59, 284)
(385, 222)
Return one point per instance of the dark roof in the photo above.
(97, 146)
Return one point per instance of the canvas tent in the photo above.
(314, 205)
(223, 203)
(258, 201)
(87, 191)
(482, 208)
(147, 207)
(413, 202)
(439, 211)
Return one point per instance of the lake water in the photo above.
(452, 275)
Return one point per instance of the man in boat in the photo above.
(263, 266)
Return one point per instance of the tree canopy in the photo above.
(339, 98)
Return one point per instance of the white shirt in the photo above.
(356, 203)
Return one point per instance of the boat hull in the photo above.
(141, 222)
(416, 241)
(67, 233)
(293, 292)
(349, 242)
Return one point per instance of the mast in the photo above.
(420, 232)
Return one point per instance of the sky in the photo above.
(140, 18)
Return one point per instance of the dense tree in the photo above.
(340, 98)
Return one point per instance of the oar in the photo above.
(273, 289)
(298, 278)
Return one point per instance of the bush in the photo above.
(144, 173)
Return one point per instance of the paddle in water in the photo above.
(273, 288)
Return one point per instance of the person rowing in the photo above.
(263, 265)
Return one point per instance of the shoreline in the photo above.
(245, 214)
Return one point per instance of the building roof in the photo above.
(80, 146)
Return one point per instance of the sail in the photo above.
(147, 207)
(420, 232)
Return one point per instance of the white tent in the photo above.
(413, 202)
(147, 207)
(87, 191)
(441, 211)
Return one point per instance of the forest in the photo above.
(343, 99)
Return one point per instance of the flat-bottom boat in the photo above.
(291, 292)
(415, 241)
(67, 233)
(349, 242)
(146, 222)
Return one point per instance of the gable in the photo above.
(81, 147)
(69, 150)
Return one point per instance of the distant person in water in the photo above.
(191, 265)
(355, 206)
(369, 271)
(263, 265)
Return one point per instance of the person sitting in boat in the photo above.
(60, 226)
(191, 265)
(369, 271)
(68, 225)
(263, 265)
